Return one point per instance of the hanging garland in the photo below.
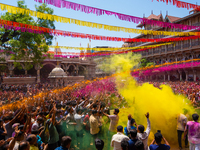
(109, 49)
(181, 4)
(99, 12)
(11, 25)
(15, 10)
(167, 67)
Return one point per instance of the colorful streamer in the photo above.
(181, 4)
(15, 10)
(167, 67)
(11, 25)
(75, 55)
(110, 49)
(99, 12)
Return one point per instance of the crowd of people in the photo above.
(191, 90)
(65, 120)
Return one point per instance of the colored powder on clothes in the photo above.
(162, 104)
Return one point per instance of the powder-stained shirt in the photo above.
(193, 132)
(116, 140)
(181, 119)
(113, 122)
(94, 125)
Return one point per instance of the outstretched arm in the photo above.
(148, 124)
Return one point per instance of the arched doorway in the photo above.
(71, 70)
(18, 71)
(81, 71)
(45, 71)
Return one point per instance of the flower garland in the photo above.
(15, 10)
(99, 12)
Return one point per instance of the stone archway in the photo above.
(45, 70)
(81, 71)
(71, 70)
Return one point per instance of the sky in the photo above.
(138, 8)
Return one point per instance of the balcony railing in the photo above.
(162, 50)
(186, 45)
(170, 49)
(195, 43)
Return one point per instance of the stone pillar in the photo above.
(164, 77)
(186, 72)
(38, 76)
(195, 75)
(37, 67)
(26, 72)
(11, 68)
(180, 75)
(168, 76)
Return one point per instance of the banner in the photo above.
(99, 12)
(15, 10)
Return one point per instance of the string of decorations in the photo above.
(167, 66)
(124, 17)
(11, 25)
(180, 4)
(15, 10)
(109, 49)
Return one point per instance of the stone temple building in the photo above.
(74, 69)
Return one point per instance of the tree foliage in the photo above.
(146, 63)
(26, 46)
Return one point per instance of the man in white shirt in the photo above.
(37, 124)
(113, 120)
(117, 138)
(144, 135)
(181, 123)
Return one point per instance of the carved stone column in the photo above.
(37, 67)
(180, 75)
(195, 75)
(186, 72)
(11, 68)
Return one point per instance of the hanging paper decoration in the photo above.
(15, 10)
(180, 4)
(75, 55)
(167, 67)
(11, 25)
(99, 12)
(109, 49)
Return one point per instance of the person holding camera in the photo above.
(156, 143)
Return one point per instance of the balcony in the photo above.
(170, 49)
(162, 50)
(177, 47)
(186, 45)
(195, 43)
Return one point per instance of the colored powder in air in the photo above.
(162, 104)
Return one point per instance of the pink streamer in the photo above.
(168, 68)
(99, 12)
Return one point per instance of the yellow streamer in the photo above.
(109, 49)
(14, 10)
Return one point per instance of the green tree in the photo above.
(26, 46)
(145, 63)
